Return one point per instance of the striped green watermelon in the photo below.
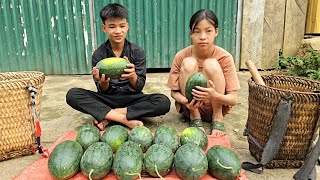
(190, 162)
(158, 160)
(194, 135)
(167, 136)
(223, 163)
(96, 161)
(114, 136)
(64, 160)
(87, 135)
(128, 161)
(112, 67)
(141, 135)
(196, 79)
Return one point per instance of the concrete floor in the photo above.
(57, 117)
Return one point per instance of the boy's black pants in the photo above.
(98, 105)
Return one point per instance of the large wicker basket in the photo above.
(263, 102)
(17, 126)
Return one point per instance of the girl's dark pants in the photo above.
(98, 104)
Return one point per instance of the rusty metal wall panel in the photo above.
(161, 27)
(44, 35)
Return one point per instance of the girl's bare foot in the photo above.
(102, 125)
(133, 123)
(216, 132)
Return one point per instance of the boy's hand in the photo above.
(104, 83)
(194, 104)
(201, 93)
(130, 71)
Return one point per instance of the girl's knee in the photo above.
(189, 64)
(212, 66)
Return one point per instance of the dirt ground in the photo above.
(57, 118)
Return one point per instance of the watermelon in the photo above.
(194, 135)
(141, 135)
(96, 161)
(87, 135)
(190, 162)
(114, 136)
(112, 67)
(223, 163)
(195, 79)
(158, 160)
(167, 136)
(128, 161)
(65, 159)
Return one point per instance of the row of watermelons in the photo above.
(162, 151)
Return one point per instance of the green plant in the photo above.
(308, 66)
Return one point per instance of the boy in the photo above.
(120, 100)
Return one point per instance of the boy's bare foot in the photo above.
(102, 125)
(134, 123)
(216, 132)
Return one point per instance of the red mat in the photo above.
(39, 169)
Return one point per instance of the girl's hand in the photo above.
(201, 93)
(194, 104)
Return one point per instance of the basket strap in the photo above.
(42, 151)
(278, 130)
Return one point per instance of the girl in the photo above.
(213, 102)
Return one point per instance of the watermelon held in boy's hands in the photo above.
(87, 135)
(64, 160)
(142, 136)
(195, 79)
(167, 136)
(194, 135)
(158, 160)
(96, 161)
(223, 163)
(112, 67)
(190, 162)
(114, 136)
(128, 161)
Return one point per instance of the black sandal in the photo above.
(218, 125)
(195, 123)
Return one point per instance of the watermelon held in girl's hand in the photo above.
(65, 159)
(142, 136)
(87, 135)
(190, 162)
(158, 160)
(167, 136)
(96, 161)
(128, 161)
(194, 135)
(223, 163)
(115, 136)
(196, 79)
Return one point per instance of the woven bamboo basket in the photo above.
(17, 126)
(263, 102)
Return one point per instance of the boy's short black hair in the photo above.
(114, 10)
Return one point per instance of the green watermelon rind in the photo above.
(223, 163)
(64, 160)
(97, 158)
(194, 135)
(87, 135)
(112, 67)
(158, 156)
(141, 135)
(128, 161)
(115, 136)
(195, 79)
(190, 162)
(167, 136)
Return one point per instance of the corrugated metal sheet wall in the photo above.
(56, 37)
(161, 27)
(45, 35)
